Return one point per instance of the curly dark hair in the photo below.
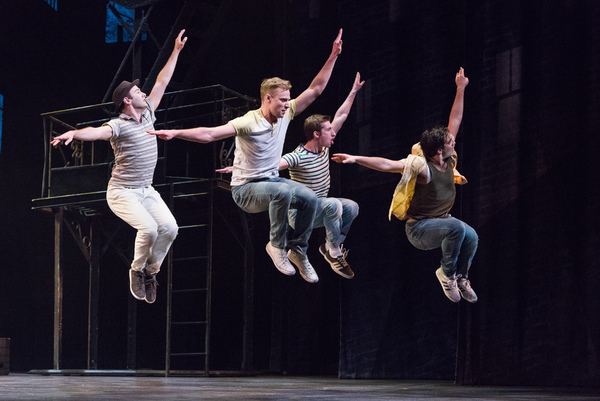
(434, 139)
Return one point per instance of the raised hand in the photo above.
(461, 80)
(179, 43)
(337, 44)
(357, 83)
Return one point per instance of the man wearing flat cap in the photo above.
(130, 194)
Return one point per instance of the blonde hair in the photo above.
(270, 84)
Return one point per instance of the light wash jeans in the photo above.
(336, 215)
(457, 239)
(278, 195)
(145, 210)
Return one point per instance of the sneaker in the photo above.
(151, 285)
(339, 264)
(464, 286)
(136, 284)
(449, 285)
(280, 260)
(300, 259)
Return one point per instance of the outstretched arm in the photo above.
(85, 134)
(225, 170)
(375, 163)
(342, 113)
(199, 134)
(229, 169)
(456, 113)
(320, 81)
(164, 76)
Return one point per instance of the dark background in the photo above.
(527, 145)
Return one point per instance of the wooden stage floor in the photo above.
(110, 388)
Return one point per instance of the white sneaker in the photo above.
(448, 285)
(280, 260)
(304, 267)
(464, 286)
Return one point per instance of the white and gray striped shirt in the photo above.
(136, 151)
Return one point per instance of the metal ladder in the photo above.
(188, 319)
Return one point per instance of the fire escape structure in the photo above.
(74, 191)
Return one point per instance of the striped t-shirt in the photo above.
(136, 151)
(310, 169)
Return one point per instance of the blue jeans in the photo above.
(336, 215)
(278, 195)
(457, 239)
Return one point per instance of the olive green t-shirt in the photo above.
(436, 198)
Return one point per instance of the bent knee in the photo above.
(309, 199)
(333, 206)
(170, 229)
(283, 193)
(148, 232)
(474, 238)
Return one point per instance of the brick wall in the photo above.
(530, 115)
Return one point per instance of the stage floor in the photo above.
(110, 388)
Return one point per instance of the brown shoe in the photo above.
(339, 264)
(151, 286)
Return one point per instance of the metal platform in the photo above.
(74, 191)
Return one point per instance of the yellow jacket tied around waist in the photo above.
(413, 165)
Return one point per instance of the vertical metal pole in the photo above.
(169, 292)
(212, 184)
(58, 287)
(94, 293)
(137, 73)
(248, 334)
(168, 320)
(131, 332)
(137, 45)
(134, 40)
(47, 153)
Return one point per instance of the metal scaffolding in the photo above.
(74, 191)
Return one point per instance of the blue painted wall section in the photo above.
(53, 4)
(115, 33)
